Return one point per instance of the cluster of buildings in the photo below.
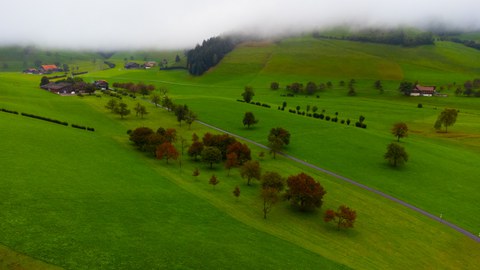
(424, 91)
(44, 69)
(146, 65)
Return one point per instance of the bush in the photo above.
(348, 122)
(322, 116)
(420, 105)
(79, 127)
(266, 105)
(327, 118)
(342, 121)
(8, 111)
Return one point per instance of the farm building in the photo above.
(49, 68)
(58, 88)
(150, 64)
(101, 84)
(426, 91)
(131, 65)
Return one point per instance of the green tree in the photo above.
(400, 130)
(156, 100)
(44, 81)
(122, 109)
(344, 217)
(277, 139)
(270, 198)
(211, 155)
(304, 192)
(250, 170)
(249, 119)
(248, 94)
(140, 109)
(406, 87)
(447, 118)
(274, 86)
(396, 154)
(190, 117)
(181, 113)
(378, 85)
(112, 104)
(273, 180)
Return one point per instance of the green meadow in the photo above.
(88, 200)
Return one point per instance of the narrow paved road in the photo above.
(423, 212)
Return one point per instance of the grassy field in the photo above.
(93, 202)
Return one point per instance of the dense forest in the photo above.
(393, 37)
(208, 54)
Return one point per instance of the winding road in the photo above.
(378, 192)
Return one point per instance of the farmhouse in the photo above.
(58, 88)
(131, 65)
(150, 64)
(48, 68)
(31, 71)
(101, 84)
(426, 91)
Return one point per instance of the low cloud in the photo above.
(143, 24)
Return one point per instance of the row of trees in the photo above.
(121, 108)
(135, 88)
(386, 36)
(207, 55)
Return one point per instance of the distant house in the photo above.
(150, 64)
(101, 84)
(426, 91)
(49, 68)
(31, 71)
(58, 88)
(132, 65)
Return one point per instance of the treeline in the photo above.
(55, 121)
(471, 88)
(469, 43)
(208, 54)
(392, 37)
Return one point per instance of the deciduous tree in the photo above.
(274, 86)
(168, 151)
(344, 217)
(447, 118)
(122, 109)
(400, 130)
(242, 151)
(248, 94)
(231, 161)
(195, 149)
(139, 136)
(236, 192)
(273, 180)
(190, 117)
(249, 119)
(140, 109)
(213, 181)
(112, 104)
(156, 100)
(304, 192)
(250, 170)
(396, 154)
(211, 154)
(270, 198)
(277, 139)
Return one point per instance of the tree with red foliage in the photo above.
(231, 161)
(168, 151)
(170, 135)
(304, 192)
(236, 192)
(196, 172)
(195, 149)
(242, 151)
(213, 181)
(344, 217)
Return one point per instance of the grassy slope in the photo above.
(222, 86)
(95, 212)
(435, 160)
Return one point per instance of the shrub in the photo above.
(322, 116)
(342, 121)
(327, 118)
(348, 122)
(420, 105)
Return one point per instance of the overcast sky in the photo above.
(119, 24)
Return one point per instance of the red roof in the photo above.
(49, 67)
(424, 89)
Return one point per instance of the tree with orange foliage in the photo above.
(250, 170)
(344, 217)
(167, 150)
(231, 161)
(242, 151)
(304, 192)
(213, 181)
